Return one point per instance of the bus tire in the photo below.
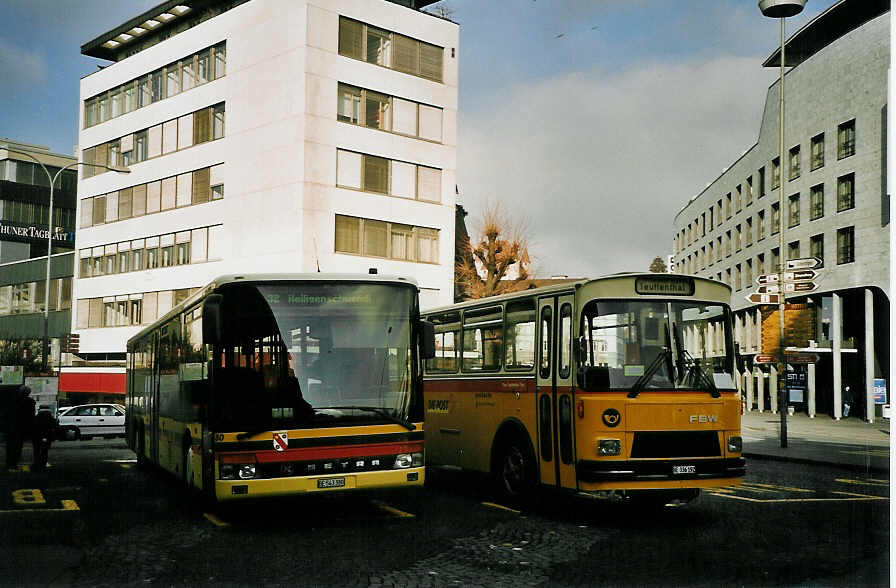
(515, 471)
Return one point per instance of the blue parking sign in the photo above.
(880, 391)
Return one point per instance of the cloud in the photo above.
(20, 67)
(602, 163)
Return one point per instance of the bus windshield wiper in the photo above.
(648, 373)
(378, 411)
(700, 376)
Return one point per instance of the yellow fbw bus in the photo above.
(620, 386)
(270, 385)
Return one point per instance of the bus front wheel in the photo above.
(515, 472)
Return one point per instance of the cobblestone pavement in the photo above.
(514, 553)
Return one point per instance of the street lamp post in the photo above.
(45, 346)
(781, 9)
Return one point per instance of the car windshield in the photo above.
(314, 354)
(638, 345)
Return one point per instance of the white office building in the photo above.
(262, 136)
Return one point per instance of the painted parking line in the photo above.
(215, 520)
(868, 482)
(500, 507)
(392, 510)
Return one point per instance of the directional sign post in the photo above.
(802, 358)
(765, 358)
(800, 275)
(760, 298)
(803, 263)
(763, 279)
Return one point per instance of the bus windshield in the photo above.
(638, 345)
(314, 354)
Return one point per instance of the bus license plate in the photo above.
(331, 483)
(684, 469)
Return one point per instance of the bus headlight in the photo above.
(609, 447)
(735, 444)
(403, 461)
(247, 471)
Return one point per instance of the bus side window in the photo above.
(519, 335)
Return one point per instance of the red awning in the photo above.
(101, 383)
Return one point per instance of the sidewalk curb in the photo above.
(806, 461)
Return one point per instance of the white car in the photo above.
(89, 420)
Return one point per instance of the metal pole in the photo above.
(782, 374)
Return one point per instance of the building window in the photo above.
(761, 181)
(738, 198)
(846, 193)
(388, 113)
(358, 40)
(776, 218)
(760, 264)
(846, 139)
(728, 205)
(174, 78)
(846, 252)
(795, 160)
(727, 243)
(793, 250)
(176, 134)
(776, 173)
(749, 233)
(176, 191)
(748, 194)
(385, 176)
(760, 225)
(738, 238)
(816, 202)
(817, 151)
(776, 260)
(374, 238)
(794, 210)
(816, 248)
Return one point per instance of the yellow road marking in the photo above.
(28, 496)
(392, 510)
(868, 482)
(500, 506)
(67, 505)
(854, 497)
(215, 520)
(772, 486)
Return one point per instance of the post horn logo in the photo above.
(611, 417)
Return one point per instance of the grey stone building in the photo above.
(836, 209)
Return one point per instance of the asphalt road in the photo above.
(102, 521)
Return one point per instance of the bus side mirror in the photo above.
(427, 340)
(212, 319)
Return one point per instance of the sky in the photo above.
(592, 122)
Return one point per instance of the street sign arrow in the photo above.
(803, 263)
(800, 275)
(800, 287)
(767, 279)
(769, 289)
(765, 358)
(760, 298)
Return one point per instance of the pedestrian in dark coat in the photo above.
(42, 435)
(20, 425)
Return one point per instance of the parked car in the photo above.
(92, 420)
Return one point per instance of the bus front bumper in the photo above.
(227, 490)
(660, 470)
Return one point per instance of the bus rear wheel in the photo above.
(516, 472)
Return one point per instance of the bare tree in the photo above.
(499, 262)
(658, 266)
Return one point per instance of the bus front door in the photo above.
(554, 392)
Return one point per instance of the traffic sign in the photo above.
(803, 263)
(767, 279)
(788, 287)
(800, 275)
(802, 357)
(765, 358)
(760, 298)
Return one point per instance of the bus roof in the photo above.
(564, 287)
(271, 277)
